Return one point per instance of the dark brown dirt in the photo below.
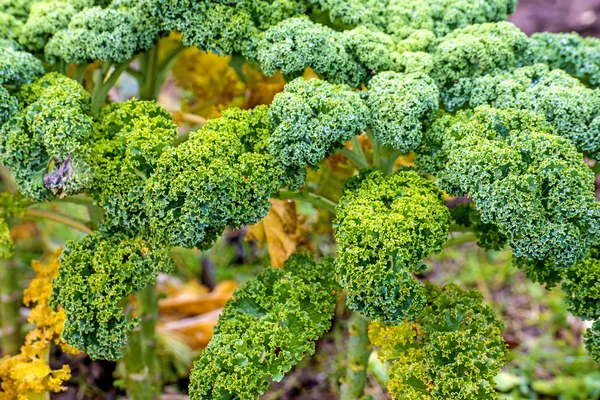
(582, 16)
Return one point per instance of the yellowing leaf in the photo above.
(29, 372)
(282, 229)
(190, 302)
(216, 86)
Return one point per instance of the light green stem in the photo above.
(165, 66)
(371, 137)
(80, 73)
(142, 368)
(356, 147)
(314, 199)
(359, 350)
(464, 238)
(459, 228)
(149, 70)
(61, 219)
(103, 85)
(386, 158)
(10, 302)
(355, 158)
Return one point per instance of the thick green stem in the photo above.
(359, 350)
(314, 199)
(355, 158)
(357, 148)
(142, 367)
(165, 66)
(386, 158)
(149, 70)
(459, 228)
(371, 137)
(461, 239)
(80, 73)
(103, 85)
(10, 303)
(61, 219)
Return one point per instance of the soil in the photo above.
(581, 16)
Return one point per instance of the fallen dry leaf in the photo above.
(282, 229)
(191, 302)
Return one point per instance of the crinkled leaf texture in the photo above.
(311, 119)
(386, 226)
(402, 106)
(96, 275)
(267, 328)
(568, 105)
(533, 185)
(581, 285)
(567, 51)
(453, 350)
(222, 176)
(131, 136)
(45, 142)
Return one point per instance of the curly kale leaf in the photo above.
(10, 205)
(386, 226)
(581, 285)
(353, 13)
(222, 176)
(17, 8)
(443, 16)
(46, 143)
(297, 43)
(311, 119)
(9, 105)
(18, 68)
(269, 326)
(579, 56)
(131, 137)
(374, 51)
(225, 27)
(468, 53)
(453, 350)
(591, 339)
(113, 34)
(46, 18)
(567, 104)
(10, 26)
(95, 275)
(533, 185)
(401, 107)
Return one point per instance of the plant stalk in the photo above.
(464, 238)
(142, 368)
(102, 85)
(312, 198)
(10, 303)
(355, 158)
(149, 70)
(61, 219)
(359, 350)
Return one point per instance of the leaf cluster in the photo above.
(386, 226)
(453, 350)
(268, 327)
(97, 273)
